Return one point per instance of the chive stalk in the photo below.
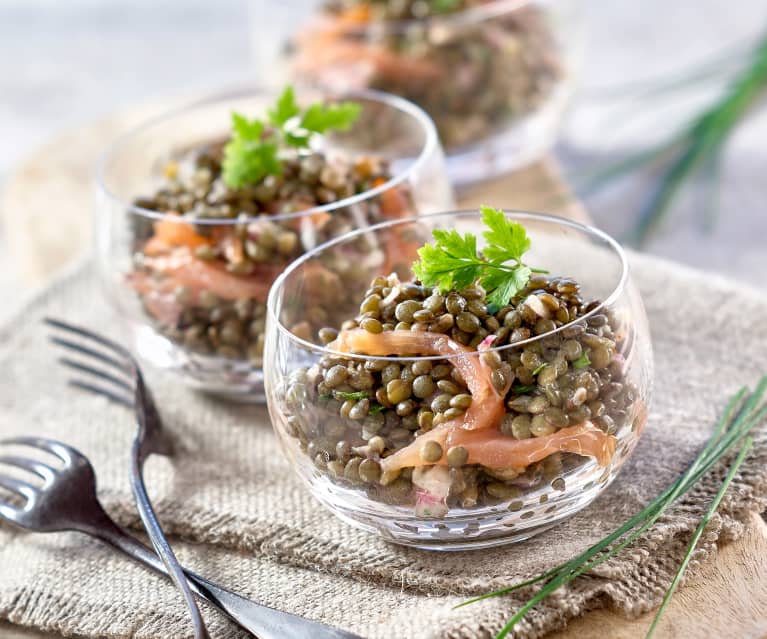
(742, 413)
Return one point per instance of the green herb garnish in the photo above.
(521, 389)
(742, 414)
(583, 361)
(539, 369)
(444, 6)
(253, 152)
(355, 395)
(453, 262)
(375, 409)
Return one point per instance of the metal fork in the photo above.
(67, 500)
(125, 385)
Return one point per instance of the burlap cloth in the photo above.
(230, 489)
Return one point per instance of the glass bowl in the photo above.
(200, 312)
(496, 76)
(581, 387)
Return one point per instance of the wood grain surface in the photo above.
(726, 596)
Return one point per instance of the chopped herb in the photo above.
(375, 409)
(583, 361)
(355, 395)
(520, 389)
(326, 396)
(253, 152)
(453, 261)
(539, 369)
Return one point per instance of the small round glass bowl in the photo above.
(582, 387)
(496, 77)
(200, 312)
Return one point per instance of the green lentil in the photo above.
(431, 452)
(398, 390)
(352, 469)
(377, 444)
(371, 325)
(467, 322)
(453, 413)
(425, 420)
(540, 427)
(406, 309)
(498, 380)
(423, 386)
(446, 386)
(336, 375)
(462, 401)
(521, 427)
(457, 456)
(369, 471)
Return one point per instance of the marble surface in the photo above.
(66, 63)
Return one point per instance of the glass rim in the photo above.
(556, 220)
(470, 15)
(430, 145)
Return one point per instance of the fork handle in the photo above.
(261, 621)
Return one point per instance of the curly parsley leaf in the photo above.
(254, 150)
(453, 261)
(285, 109)
(506, 240)
(245, 129)
(450, 263)
(248, 161)
(502, 285)
(320, 118)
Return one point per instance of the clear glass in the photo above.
(537, 480)
(496, 77)
(204, 318)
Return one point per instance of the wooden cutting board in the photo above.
(47, 213)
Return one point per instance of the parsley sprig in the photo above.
(453, 261)
(254, 150)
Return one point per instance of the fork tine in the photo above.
(104, 392)
(84, 332)
(20, 488)
(32, 465)
(96, 372)
(65, 453)
(11, 513)
(84, 350)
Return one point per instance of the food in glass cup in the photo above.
(472, 400)
(219, 202)
(483, 69)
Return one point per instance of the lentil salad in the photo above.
(203, 269)
(527, 390)
(472, 74)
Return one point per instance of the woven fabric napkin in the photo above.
(241, 518)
